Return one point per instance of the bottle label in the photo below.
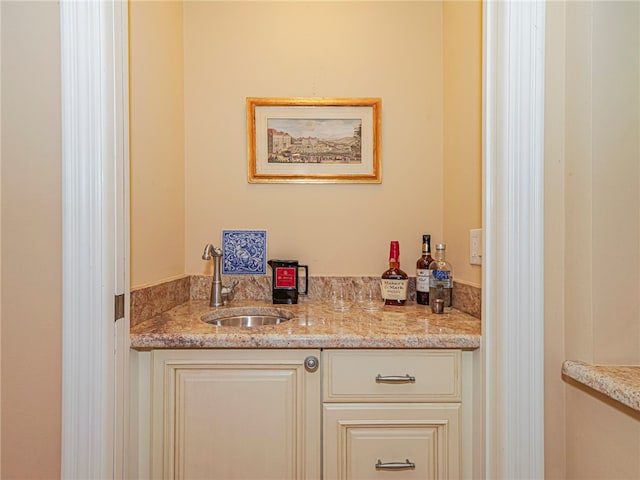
(441, 274)
(285, 277)
(441, 278)
(394, 289)
(422, 280)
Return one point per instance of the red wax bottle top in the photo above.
(394, 250)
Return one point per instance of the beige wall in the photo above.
(237, 49)
(279, 52)
(554, 245)
(31, 241)
(462, 202)
(157, 141)
(593, 212)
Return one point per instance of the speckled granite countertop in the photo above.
(315, 325)
(621, 383)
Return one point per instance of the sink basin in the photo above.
(248, 321)
(247, 317)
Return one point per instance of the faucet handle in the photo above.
(227, 291)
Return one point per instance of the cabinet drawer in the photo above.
(399, 441)
(391, 376)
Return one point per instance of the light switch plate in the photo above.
(475, 246)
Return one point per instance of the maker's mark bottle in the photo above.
(394, 281)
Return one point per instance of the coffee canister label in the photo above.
(285, 277)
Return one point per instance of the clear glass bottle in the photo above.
(422, 271)
(441, 278)
(394, 282)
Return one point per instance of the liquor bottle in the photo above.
(394, 281)
(441, 278)
(422, 272)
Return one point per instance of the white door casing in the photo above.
(513, 186)
(121, 202)
(95, 231)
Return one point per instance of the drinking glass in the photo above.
(370, 298)
(437, 299)
(341, 297)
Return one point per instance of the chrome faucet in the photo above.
(218, 291)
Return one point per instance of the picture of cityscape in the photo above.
(322, 141)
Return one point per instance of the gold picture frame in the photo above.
(314, 140)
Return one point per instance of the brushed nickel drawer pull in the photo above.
(395, 379)
(406, 465)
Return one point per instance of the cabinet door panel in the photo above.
(231, 415)
(369, 441)
(228, 422)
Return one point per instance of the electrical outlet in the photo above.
(475, 246)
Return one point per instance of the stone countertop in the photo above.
(314, 325)
(621, 383)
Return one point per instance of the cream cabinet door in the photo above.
(235, 414)
(400, 441)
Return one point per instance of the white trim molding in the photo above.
(123, 458)
(513, 297)
(88, 155)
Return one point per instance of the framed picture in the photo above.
(314, 140)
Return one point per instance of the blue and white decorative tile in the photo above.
(244, 252)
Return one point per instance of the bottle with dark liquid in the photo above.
(394, 281)
(422, 272)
